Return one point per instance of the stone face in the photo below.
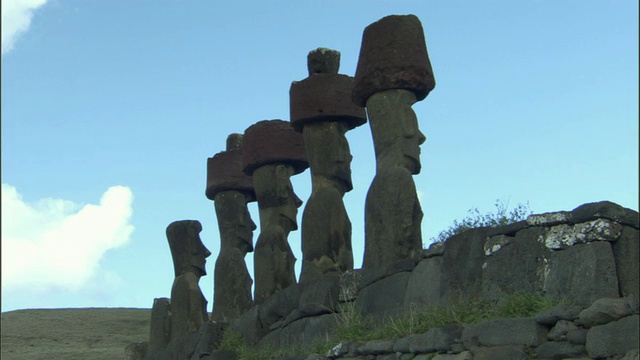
(605, 310)
(273, 142)
(626, 251)
(426, 284)
(524, 331)
(232, 282)
(525, 257)
(323, 61)
(188, 305)
(614, 338)
(582, 273)
(385, 297)
(393, 55)
(605, 210)
(225, 171)
(278, 205)
(160, 327)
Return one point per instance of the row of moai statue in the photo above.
(393, 73)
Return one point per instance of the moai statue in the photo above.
(272, 153)
(231, 189)
(321, 108)
(188, 305)
(393, 73)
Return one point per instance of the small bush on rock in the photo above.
(475, 219)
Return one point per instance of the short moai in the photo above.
(231, 189)
(322, 110)
(393, 73)
(272, 153)
(188, 304)
(160, 327)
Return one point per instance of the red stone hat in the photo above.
(273, 142)
(393, 55)
(224, 171)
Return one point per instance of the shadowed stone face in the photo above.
(395, 131)
(188, 252)
(329, 154)
(276, 197)
(234, 220)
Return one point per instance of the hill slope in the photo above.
(70, 334)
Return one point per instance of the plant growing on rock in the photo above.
(502, 216)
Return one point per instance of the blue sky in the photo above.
(110, 110)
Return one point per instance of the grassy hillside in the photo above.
(70, 334)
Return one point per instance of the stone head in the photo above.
(234, 220)
(187, 250)
(275, 193)
(328, 152)
(394, 126)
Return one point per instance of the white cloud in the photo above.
(55, 243)
(16, 18)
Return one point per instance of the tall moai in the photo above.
(393, 73)
(231, 190)
(188, 304)
(272, 153)
(322, 110)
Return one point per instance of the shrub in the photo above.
(475, 219)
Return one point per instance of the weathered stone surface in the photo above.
(435, 340)
(582, 273)
(549, 219)
(326, 228)
(324, 97)
(605, 310)
(280, 305)
(505, 352)
(273, 141)
(393, 55)
(626, 251)
(369, 276)
(560, 330)
(232, 281)
(508, 230)
(435, 249)
(221, 355)
(614, 338)
(577, 336)
(249, 326)
(303, 333)
(526, 260)
(559, 350)
(225, 171)
(403, 345)
(349, 285)
(426, 285)
(495, 243)
(523, 331)
(278, 205)
(565, 236)
(384, 297)
(632, 355)
(605, 210)
(376, 347)
(135, 351)
(323, 61)
(551, 316)
(319, 296)
(188, 305)
(462, 263)
(160, 326)
(210, 337)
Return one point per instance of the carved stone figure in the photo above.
(393, 73)
(321, 108)
(188, 305)
(272, 153)
(231, 189)
(160, 327)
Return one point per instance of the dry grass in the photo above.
(70, 334)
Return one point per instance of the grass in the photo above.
(354, 328)
(70, 334)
